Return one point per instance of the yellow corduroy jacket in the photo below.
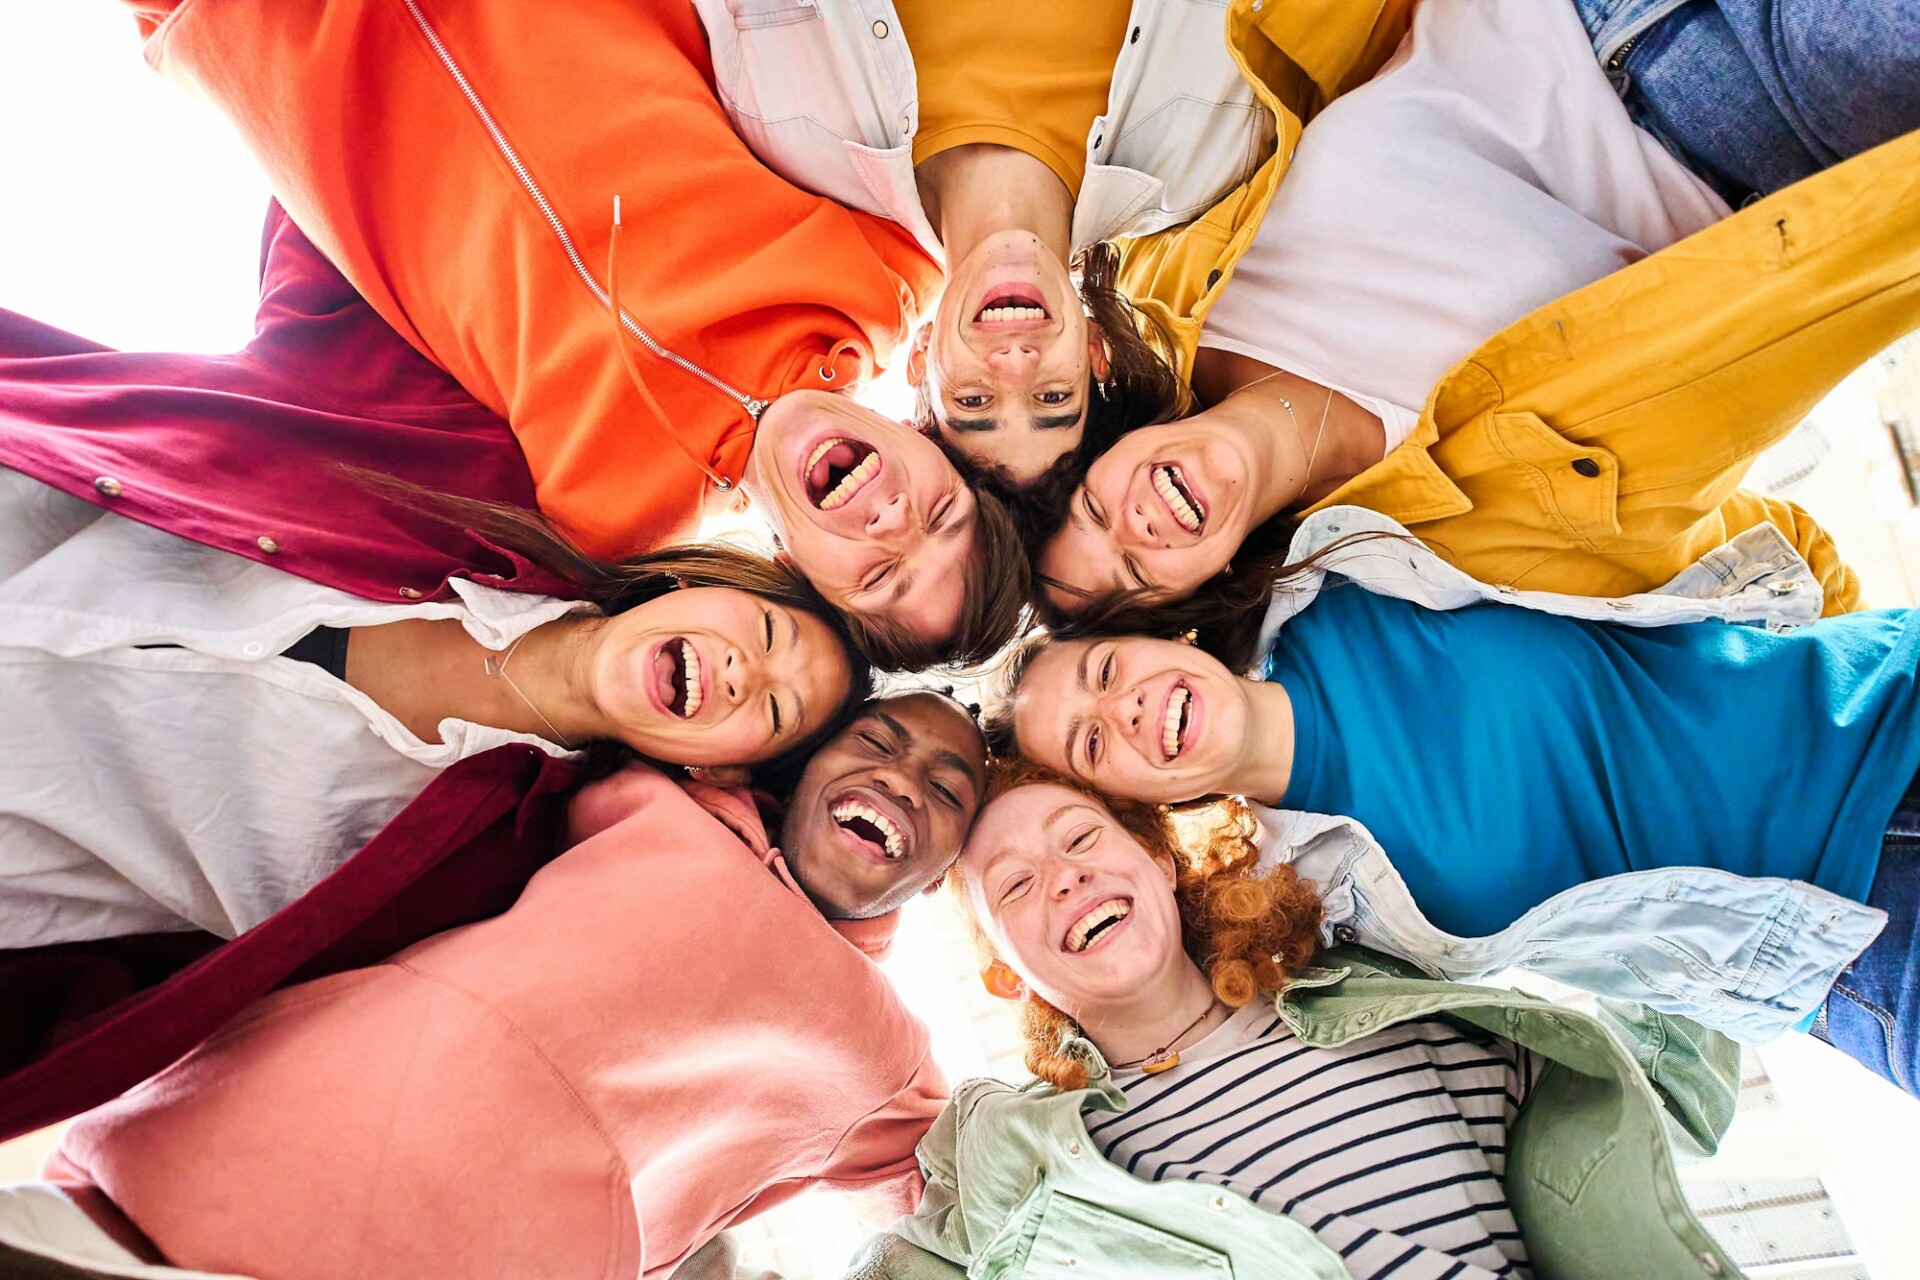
(1596, 446)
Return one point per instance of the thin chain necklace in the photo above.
(1319, 432)
(1165, 1058)
(498, 667)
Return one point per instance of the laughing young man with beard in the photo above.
(677, 1026)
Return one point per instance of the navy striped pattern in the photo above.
(1390, 1148)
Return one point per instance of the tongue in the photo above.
(840, 458)
(664, 671)
(867, 831)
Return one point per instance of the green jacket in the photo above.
(1015, 1188)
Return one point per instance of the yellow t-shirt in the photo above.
(1027, 74)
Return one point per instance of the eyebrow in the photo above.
(899, 730)
(1074, 726)
(973, 424)
(793, 632)
(1057, 421)
(1052, 422)
(954, 760)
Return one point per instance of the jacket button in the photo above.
(1586, 467)
(1073, 1149)
(1344, 933)
(1213, 278)
(879, 31)
(1709, 1263)
(1783, 588)
(107, 487)
(1219, 1203)
(1135, 37)
(253, 648)
(267, 545)
(410, 593)
(1366, 1018)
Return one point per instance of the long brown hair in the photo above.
(617, 586)
(1140, 389)
(1246, 930)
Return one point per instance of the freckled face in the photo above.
(1070, 900)
(871, 511)
(1137, 717)
(712, 675)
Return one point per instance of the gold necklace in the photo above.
(501, 670)
(1163, 1058)
(1313, 454)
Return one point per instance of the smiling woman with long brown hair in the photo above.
(247, 730)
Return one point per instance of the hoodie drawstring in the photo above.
(633, 371)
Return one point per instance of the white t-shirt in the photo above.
(1487, 170)
(203, 785)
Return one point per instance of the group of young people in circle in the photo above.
(426, 858)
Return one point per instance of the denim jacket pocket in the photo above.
(1579, 485)
(1077, 1239)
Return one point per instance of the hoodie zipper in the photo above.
(753, 405)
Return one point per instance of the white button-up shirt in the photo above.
(203, 786)
(824, 93)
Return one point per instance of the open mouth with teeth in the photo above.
(1176, 721)
(1175, 490)
(839, 468)
(1098, 924)
(1011, 308)
(676, 677)
(872, 827)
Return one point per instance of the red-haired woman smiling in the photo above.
(1211, 1102)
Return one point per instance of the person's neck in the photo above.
(1266, 758)
(552, 690)
(1306, 439)
(980, 190)
(1162, 1015)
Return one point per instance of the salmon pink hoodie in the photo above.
(661, 1037)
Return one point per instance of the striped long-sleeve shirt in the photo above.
(1391, 1148)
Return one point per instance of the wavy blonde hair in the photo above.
(1246, 930)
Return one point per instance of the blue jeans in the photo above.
(1873, 1011)
(1755, 94)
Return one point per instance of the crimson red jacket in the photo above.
(245, 452)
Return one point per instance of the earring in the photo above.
(1189, 637)
(1104, 387)
(1228, 571)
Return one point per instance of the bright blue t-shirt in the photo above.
(1502, 755)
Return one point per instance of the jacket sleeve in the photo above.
(1841, 585)
(1695, 1072)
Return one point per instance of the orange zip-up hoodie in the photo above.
(459, 163)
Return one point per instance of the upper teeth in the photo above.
(1185, 512)
(690, 657)
(847, 810)
(1170, 728)
(1112, 909)
(825, 447)
(992, 314)
(850, 485)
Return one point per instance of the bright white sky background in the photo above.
(131, 215)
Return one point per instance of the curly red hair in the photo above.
(1245, 930)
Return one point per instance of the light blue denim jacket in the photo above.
(1741, 955)
(1745, 956)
